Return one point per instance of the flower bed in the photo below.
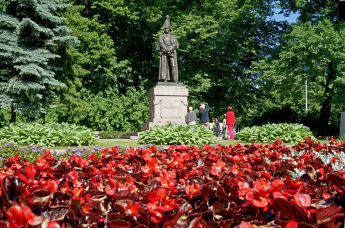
(213, 186)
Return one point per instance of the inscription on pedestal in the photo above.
(170, 110)
(167, 104)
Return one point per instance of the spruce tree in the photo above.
(31, 35)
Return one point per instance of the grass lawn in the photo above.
(134, 143)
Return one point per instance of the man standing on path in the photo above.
(204, 114)
(230, 121)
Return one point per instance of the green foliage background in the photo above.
(232, 52)
(178, 134)
(50, 134)
(288, 133)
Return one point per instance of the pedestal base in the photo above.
(342, 124)
(167, 104)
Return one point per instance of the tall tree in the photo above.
(219, 40)
(315, 53)
(131, 25)
(31, 35)
(93, 64)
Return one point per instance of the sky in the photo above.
(280, 17)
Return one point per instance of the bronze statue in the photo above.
(167, 45)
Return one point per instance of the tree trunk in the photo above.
(87, 7)
(325, 112)
(341, 14)
(324, 116)
(13, 115)
(43, 117)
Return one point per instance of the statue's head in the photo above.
(166, 26)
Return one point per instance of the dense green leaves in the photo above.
(51, 134)
(218, 42)
(313, 11)
(178, 134)
(106, 112)
(31, 34)
(312, 53)
(288, 133)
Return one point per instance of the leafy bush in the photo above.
(51, 134)
(342, 138)
(178, 134)
(114, 112)
(111, 134)
(288, 133)
(2, 119)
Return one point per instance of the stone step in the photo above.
(134, 137)
(131, 137)
(133, 133)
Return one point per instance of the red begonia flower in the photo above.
(302, 200)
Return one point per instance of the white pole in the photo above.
(306, 96)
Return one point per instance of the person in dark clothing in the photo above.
(216, 127)
(190, 117)
(204, 114)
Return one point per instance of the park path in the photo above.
(61, 151)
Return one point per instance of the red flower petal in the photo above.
(15, 215)
(291, 224)
(278, 195)
(244, 224)
(157, 195)
(277, 185)
(250, 195)
(134, 209)
(53, 224)
(30, 171)
(110, 191)
(261, 185)
(302, 200)
(326, 196)
(261, 202)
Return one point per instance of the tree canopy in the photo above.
(31, 34)
(312, 53)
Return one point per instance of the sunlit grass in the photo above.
(134, 143)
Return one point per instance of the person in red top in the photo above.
(230, 121)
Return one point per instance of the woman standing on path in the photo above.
(230, 121)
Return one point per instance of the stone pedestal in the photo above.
(342, 124)
(167, 104)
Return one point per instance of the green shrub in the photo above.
(178, 134)
(51, 134)
(111, 134)
(288, 133)
(114, 112)
(342, 138)
(3, 119)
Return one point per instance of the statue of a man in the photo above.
(167, 45)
